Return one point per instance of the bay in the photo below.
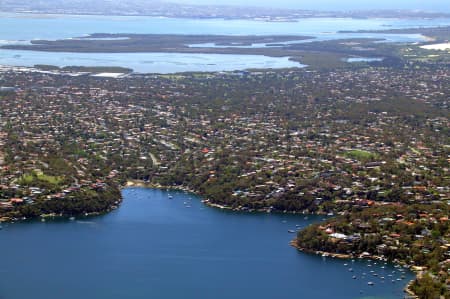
(162, 63)
(157, 247)
(18, 28)
(31, 26)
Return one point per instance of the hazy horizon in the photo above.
(321, 5)
(430, 5)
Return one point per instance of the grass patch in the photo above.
(361, 155)
(36, 178)
(49, 179)
(27, 179)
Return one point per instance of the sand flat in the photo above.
(441, 47)
(109, 75)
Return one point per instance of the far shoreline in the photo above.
(287, 17)
(293, 243)
(207, 202)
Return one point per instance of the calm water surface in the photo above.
(156, 247)
(149, 62)
(28, 27)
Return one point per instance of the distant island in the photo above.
(305, 49)
(178, 10)
(441, 33)
(135, 43)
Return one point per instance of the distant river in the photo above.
(154, 246)
(22, 28)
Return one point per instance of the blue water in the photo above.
(162, 63)
(28, 27)
(382, 37)
(22, 28)
(156, 247)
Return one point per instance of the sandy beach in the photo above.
(441, 47)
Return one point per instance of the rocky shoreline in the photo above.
(207, 202)
(18, 217)
(407, 289)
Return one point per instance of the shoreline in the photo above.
(43, 217)
(289, 15)
(293, 243)
(62, 215)
(407, 288)
(142, 184)
(437, 47)
(207, 202)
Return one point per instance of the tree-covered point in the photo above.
(414, 235)
(83, 201)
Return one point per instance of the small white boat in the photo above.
(370, 283)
